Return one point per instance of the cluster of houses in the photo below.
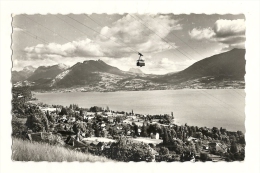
(106, 140)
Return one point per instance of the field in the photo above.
(30, 151)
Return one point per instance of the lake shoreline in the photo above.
(75, 90)
(210, 108)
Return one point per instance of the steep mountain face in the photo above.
(23, 74)
(49, 72)
(228, 65)
(88, 72)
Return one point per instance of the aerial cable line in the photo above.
(47, 28)
(71, 25)
(119, 38)
(134, 51)
(182, 41)
(103, 26)
(83, 33)
(166, 41)
(122, 40)
(239, 94)
(32, 35)
(176, 37)
(225, 103)
(180, 52)
(93, 20)
(219, 103)
(160, 36)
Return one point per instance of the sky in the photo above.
(168, 42)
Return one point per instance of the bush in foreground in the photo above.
(32, 151)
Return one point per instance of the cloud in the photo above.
(82, 48)
(227, 28)
(123, 38)
(228, 32)
(117, 45)
(142, 32)
(166, 65)
(201, 34)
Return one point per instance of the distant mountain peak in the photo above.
(62, 66)
(135, 70)
(29, 68)
(47, 72)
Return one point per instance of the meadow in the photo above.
(32, 151)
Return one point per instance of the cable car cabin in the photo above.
(140, 63)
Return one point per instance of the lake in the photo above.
(211, 108)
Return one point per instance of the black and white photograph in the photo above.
(129, 87)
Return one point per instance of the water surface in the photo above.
(211, 108)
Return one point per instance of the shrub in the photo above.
(204, 157)
(18, 128)
(163, 151)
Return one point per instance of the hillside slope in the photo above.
(28, 151)
(87, 73)
(228, 65)
(48, 72)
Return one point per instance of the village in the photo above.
(124, 136)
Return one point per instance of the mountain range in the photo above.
(222, 70)
(23, 74)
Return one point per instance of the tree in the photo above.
(198, 147)
(233, 147)
(107, 109)
(63, 111)
(118, 119)
(81, 112)
(79, 117)
(104, 133)
(37, 122)
(167, 119)
(204, 157)
(135, 128)
(173, 133)
(166, 140)
(95, 109)
(79, 127)
(144, 131)
(47, 114)
(242, 139)
(97, 132)
(215, 130)
(163, 151)
(18, 128)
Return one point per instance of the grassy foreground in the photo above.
(32, 151)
